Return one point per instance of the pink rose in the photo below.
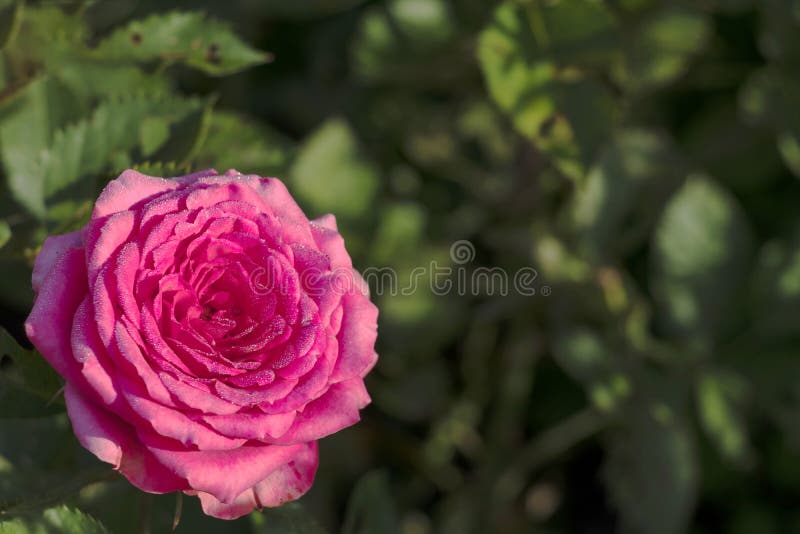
(209, 334)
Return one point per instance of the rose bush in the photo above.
(208, 333)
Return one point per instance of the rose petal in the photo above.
(173, 424)
(336, 409)
(52, 248)
(49, 325)
(105, 436)
(262, 427)
(331, 243)
(87, 350)
(326, 221)
(357, 337)
(287, 483)
(127, 347)
(104, 237)
(226, 474)
(127, 190)
(197, 396)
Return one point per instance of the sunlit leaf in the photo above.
(60, 519)
(537, 59)
(187, 133)
(397, 38)
(633, 175)
(188, 37)
(27, 125)
(331, 174)
(719, 399)
(5, 233)
(88, 78)
(700, 253)
(662, 45)
(162, 168)
(589, 359)
(10, 20)
(237, 142)
(90, 146)
(400, 231)
(45, 32)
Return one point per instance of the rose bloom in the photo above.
(208, 333)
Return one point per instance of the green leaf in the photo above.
(370, 508)
(700, 253)
(719, 398)
(93, 145)
(773, 376)
(587, 358)
(394, 40)
(162, 168)
(61, 519)
(537, 59)
(731, 6)
(43, 465)
(776, 288)
(45, 33)
(771, 98)
(5, 233)
(27, 382)
(290, 518)
(651, 470)
(779, 36)
(10, 20)
(188, 37)
(662, 45)
(303, 9)
(632, 177)
(27, 125)
(235, 141)
(740, 155)
(185, 135)
(153, 132)
(331, 174)
(92, 79)
(399, 233)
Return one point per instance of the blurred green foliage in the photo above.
(642, 155)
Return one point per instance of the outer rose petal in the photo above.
(226, 474)
(105, 436)
(130, 188)
(52, 248)
(331, 243)
(326, 221)
(49, 326)
(357, 337)
(287, 483)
